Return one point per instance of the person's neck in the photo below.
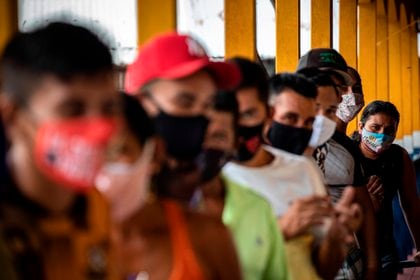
(214, 188)
(261, 158)
(58, 200)
(214, 193)
(367, 152)
(341, 126)
(309, 151)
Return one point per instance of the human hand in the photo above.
(303, 214)
(417, 257)
(349, 214)
(376, 191)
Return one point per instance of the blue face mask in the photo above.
(376, 142)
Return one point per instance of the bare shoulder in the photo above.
(206, 229)
(214, 245)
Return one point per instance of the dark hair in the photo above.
(59, 49)
(357, 86)
(297, 82)
(138, 121)
(253, 76)
(324, 80)
(225, 101)
(3, 151)
(380, 106)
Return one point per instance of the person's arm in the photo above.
(302, 215)
(409, 199)
(277, 265)
(367, 233)
(329, 255)
(216, 244)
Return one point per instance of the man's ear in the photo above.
(360, 127)
(147, 103)
(159, 155)
(8, 112)
(267, 125)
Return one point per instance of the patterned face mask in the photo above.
(376, 142)
(349, 106)
(71, 152)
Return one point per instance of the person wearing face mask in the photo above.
(260, 247)
(390, 172)
(339, 159)
(327, 102)
(175, 82)
(60, 109)
(292, 184)
(253, 110)
(127, 181)
(352, 101)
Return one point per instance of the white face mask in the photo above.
(125, 185)
(322, 130)
(349, 106)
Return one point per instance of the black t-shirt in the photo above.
(389, 167)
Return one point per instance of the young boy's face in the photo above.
(55, 100)
(63, 128)
(190, 96)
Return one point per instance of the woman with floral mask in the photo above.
(390, 171)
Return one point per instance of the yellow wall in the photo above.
(8, 20)
(287, 35)
(240, 26)
(154, 17)
(321, 28)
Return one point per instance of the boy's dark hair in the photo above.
(137, 120)
(357, 86)
(253, 76)
(296, 82)
(60, 49)
(225, 101)
(379, 106)
(324, 80)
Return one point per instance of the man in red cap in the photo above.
(175, 82)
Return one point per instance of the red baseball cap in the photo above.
(173, 56)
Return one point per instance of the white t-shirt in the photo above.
(285, 179)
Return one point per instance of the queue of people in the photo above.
(197, 170)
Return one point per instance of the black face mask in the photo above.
(184, 136)
(181, 182)
(288, 138)
(210, 162)
(251, 139)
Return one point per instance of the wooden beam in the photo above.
(382, 76)
(8, 20)
(367, 50)
(394, 64)
(415, 87)
(154, 17)
(321, 24)
(348, 31)
(240, 28)
(348, 41)
(287, 35)
(406, 81)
